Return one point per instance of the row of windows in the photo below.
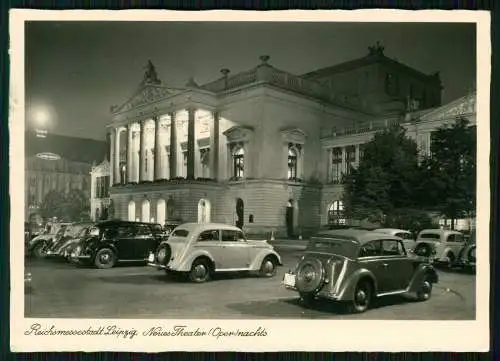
(101, 187)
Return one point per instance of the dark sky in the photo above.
(76, 70)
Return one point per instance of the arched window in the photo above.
(292, 163)
(145, 211)
(160, 211)
(131, 211)
(336, 212)
(239, 163)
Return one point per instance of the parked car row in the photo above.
(350, 266)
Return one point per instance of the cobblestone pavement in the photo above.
(66, 291)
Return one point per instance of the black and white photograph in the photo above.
(192, 182)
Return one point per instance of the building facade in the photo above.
(57, 163)
(99, 192)
(262, 149)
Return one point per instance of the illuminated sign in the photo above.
(48, 156)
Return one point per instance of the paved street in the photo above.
(64, 290)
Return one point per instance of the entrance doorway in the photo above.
(289, 216)
(240, 213)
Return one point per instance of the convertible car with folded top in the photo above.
(356, 266)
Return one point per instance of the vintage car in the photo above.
(407, 237)
(199, 250)
(71, 236)
(467, 256)
(39, 245)
(115, 241)
(440, 245)
(355, 266)
(169, 226)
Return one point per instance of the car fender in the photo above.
(38, 239)
(346, 291)
(257, 261)
(186, 260)
(422, 271)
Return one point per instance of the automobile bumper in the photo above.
(289, 283)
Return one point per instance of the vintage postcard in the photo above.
(249, 181)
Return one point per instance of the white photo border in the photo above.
(282, 335)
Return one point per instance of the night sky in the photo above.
(76, 70)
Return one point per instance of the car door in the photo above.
(455, 242)
(144, 242)
(209, 241)
(234, 251)
(370, 258)
(126, 241)
(399, 266)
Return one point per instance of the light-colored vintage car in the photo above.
(199, 250)
(407, 237)
(440, 245)
(355, 266)
(39, 245)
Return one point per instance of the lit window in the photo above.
(238, 163)
(350, 158)
(336, 165)
(336, 213)
(292, 164)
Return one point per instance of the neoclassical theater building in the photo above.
(263, 149)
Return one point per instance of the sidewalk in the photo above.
(290, 243)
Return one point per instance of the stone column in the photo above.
(127, 154)
(173, 146)
(141, 151)
(112, 162)
(190, 143)
(130, 173)
(214, 146)
(157, 151)
(343, 161)
(116, 163)
(357, 155)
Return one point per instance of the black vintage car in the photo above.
(110, 242)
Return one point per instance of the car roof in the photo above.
(391, 230)
(118, 222)
(355, 235)
(205, 226)
(439, 231)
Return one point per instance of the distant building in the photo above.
(263, 149)
(99, 192)
(56, 162)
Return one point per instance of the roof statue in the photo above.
(150, 75)
(377, 49)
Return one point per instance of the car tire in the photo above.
(425, 290)
(450, 257)
(307, 298)
(361, 298)
(423, 250)
(40, 250)
(471, 254)
(105, 258)
(200, 271)
(268, 267)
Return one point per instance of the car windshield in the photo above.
(430, 236)
(341, 247)
(179, 232)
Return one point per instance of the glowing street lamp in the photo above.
(41, 119)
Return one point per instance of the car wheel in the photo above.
(40, 250)
(425, 290)
(105, 258)
(361, 298)
(163, 254)
(268, 267)
(200, 271)
(307, 298)
(423, 250)
(471, 255)
(450, 257)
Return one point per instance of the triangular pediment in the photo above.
(463, 106)
(293, 135)
(103, 167)
(147, 94)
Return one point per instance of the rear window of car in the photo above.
(339, 247)
(180, 233)
(430, 236)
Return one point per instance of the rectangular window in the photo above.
(350, 158)
(232, 236)
(336, 165)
